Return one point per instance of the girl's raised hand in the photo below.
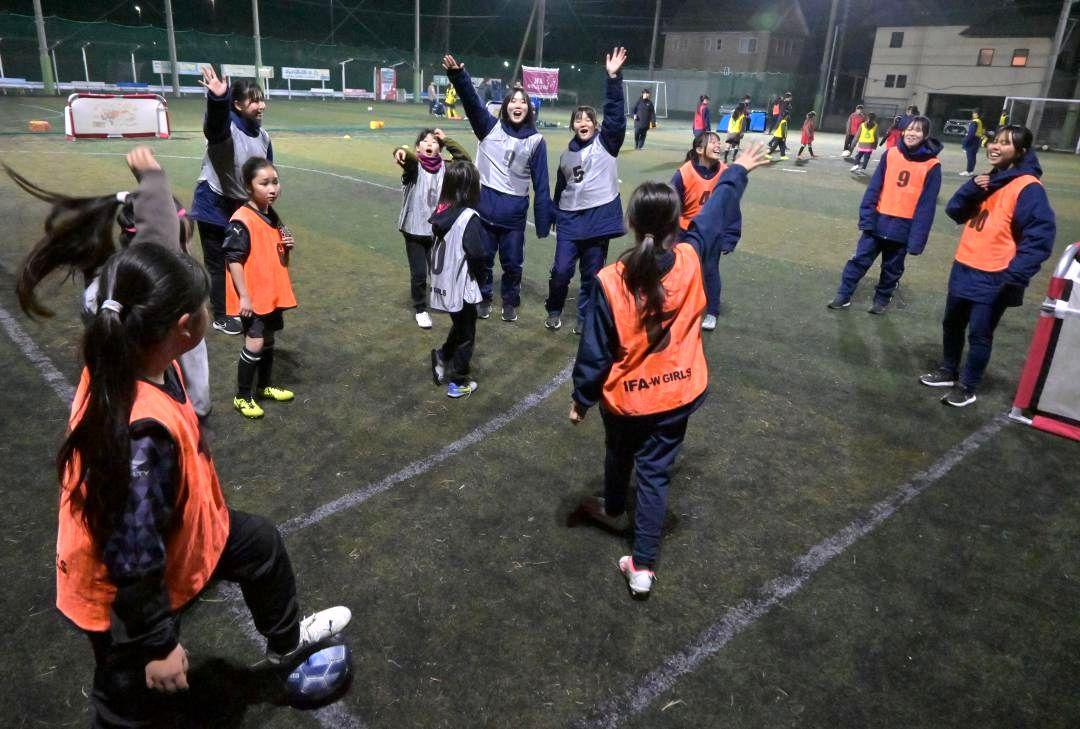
(399, 156)
(211, 82)
(615, 60)
(440, 135)
(752, 156)
(450, 64)
(140, 160)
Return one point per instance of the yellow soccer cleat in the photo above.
(247, 408)
(276, 393)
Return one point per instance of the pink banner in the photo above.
(542, 82)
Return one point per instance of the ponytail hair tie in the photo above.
(111, 305)
(649, 239)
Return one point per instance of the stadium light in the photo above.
(506, 64)
(138, 11)
(134, 75)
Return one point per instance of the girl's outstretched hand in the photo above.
(399, 156)
(140, 160)
(440, 135)
(450, 64)
(615, 60)
(577, 413)
(752, 156)
(170, 673)
(211, 82)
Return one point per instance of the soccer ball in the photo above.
(371, 108)
(1045, 147)
(322, 676)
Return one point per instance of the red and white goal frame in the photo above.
(116, 116)
(1048, 396)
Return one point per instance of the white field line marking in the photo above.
(788, 169)
(52, 376)
(52, 112)
(658, 682)
(416, 468)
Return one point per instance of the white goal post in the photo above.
(632, 92)
(114, 116)
(1054, 122)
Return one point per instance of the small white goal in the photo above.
(632, 92)
(105, 116)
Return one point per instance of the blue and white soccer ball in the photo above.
(321, 676)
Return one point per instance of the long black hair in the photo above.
(653, 214)
(530, 114)
(78, 237)
(1020, 137)
(154, 287)
(460, 185)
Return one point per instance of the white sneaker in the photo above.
(964, 173)
(639, 581)
(314, 629)
(854, 168)
(846, 153)
(708, 323)
(423, 320)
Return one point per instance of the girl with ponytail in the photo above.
(641, 356)
(143, 524)
(81, 234)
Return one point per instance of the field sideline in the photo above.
(840, 549)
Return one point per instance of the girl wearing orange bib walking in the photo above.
(1008, 232)
(258, 290)
(896, 214)
(641, 356)
(143, 525)
(694, 183)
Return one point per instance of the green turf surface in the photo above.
(475, 603)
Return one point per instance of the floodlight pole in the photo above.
(524, 42)
(48, 75)
(826, 57)
(655, 33)
(540, 12)
(342, 64)
(85, 65)
(170, 31)
(134, 75)
(416, 55)
(1035, 113)
(55, 68)
(258, 44)
(446, 30)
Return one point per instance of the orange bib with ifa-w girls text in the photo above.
(988, 243)
(661, 364)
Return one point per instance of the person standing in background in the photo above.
(644, 118)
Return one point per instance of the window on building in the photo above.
(748, 45)
(717, 46)
(1019, 57)
(897, 40)
(680, 43)
(986, 57)
(901, 81)
(890, 81)
(708, 44)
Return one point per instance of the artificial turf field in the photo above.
(841, 550)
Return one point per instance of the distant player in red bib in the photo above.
(641, 357)
(896, 214)
(1008, 232)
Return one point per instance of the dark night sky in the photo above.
(577, 29)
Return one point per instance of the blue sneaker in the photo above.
(455, 390)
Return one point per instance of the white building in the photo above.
(945, 70)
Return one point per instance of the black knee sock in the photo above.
(245, 372)
(266, 366)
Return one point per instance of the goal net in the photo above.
(1048, 397)
(1054, 122)
(103, 116)
(657, 89)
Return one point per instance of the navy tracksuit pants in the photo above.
(971, 153)
(647, 445)
(591, 253)
(509, 244)
(892, 267)
(978, 321)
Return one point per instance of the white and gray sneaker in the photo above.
(314, 629)
(423, 320)
(708, 323)
(639, 581)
